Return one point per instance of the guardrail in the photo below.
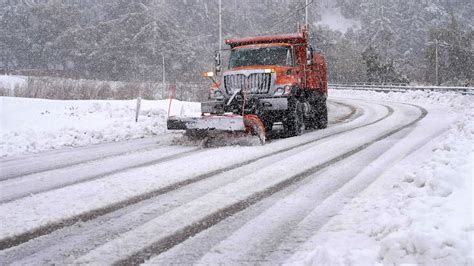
(401, 88)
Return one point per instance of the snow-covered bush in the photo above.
(70, 89)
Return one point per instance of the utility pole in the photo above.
(306, 13)
(164, 70)
(220, 25)
(437, 63)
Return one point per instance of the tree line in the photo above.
(138, 40)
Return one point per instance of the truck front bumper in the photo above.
(274, 104)
(266, 104)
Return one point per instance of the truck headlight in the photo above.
(217, 94)
(283, 91)
(280, 92)
(269, 70)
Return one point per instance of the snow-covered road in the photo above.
(149, 201)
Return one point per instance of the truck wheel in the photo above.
(322, 116)
(294, 121)
(310, 122)
(268, 123)
(311, 118)
(314, 101)
(268, 126)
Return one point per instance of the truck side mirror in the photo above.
(218, 62)
(309, 55)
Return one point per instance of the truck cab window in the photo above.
(263, 56)
(289, 60)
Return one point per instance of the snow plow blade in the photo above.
(226, 123)
(223, 127)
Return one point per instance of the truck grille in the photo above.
(257, 83)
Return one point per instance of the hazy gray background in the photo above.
(124, 40)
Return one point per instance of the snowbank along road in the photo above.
(155, 201)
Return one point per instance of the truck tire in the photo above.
(322, 115)
(311, 117)
(268, 123)
(314, 99)
(294, 120)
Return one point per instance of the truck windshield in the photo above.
(265, 56)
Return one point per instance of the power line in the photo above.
(289, 16)
(123, 47)
(445, 44)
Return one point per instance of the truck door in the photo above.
(311, 70)
(299, 70)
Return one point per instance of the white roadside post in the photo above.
(437, 63)
(137, 112)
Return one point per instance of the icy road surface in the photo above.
(389, 181)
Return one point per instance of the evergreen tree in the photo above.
(126, 39)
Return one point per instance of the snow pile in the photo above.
(433, 220)
(418, 212)
(446, 99)
(34, 125)
(435, 206)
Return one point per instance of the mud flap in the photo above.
(255, 127)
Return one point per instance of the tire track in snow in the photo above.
(234, 240)
(59, 159)
(43, 230)
(324, 195)
(214, 218)
(326, 210)
(46, 248)
(17, 167)
(348, 116)
(189, 253)
(62, 184)
(276, 135)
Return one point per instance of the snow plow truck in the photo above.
(270, 79)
